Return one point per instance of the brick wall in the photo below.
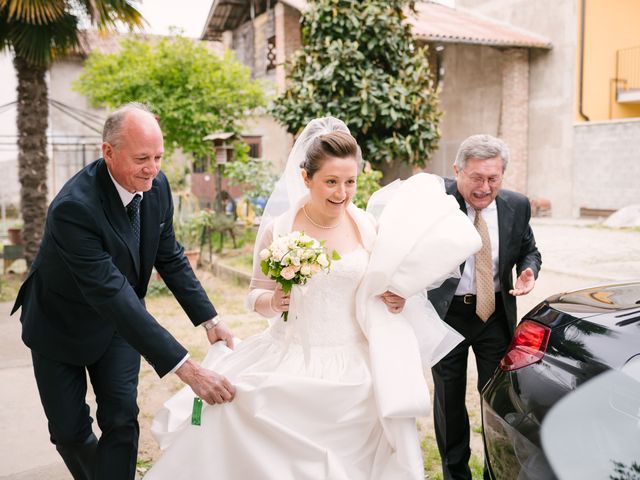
(606, 164)
(514, 114)
(470, 99)
(288, 40)
(243, 44)
(264, 28)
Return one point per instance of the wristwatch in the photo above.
(209, 324)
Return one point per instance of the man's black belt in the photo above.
(469, 298)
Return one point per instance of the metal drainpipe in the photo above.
(582, 22)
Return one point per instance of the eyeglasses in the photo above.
(479, 180)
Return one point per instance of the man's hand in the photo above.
(208, 385)
(395, 303)
(524, 284)
(220, 332)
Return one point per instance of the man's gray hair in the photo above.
(112, 131)
(482, 147)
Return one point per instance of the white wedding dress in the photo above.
(334, 392)
(291, 418)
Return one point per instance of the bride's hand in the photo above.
(279, 300)
(395, 303)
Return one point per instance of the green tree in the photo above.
(38, 32)
(368, 184)
(359, 63)
(194, 90)
(254, 175)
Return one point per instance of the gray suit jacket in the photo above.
(517, 248)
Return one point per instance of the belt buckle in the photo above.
(467, 299)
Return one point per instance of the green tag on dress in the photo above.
(196, 413)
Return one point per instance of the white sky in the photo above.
(189, 15)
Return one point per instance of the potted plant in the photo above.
(15, 234)
(188, 235)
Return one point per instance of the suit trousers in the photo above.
(63, 390)
(489, 341)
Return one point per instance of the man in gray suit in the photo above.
(481, 305)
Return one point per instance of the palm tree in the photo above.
(38, 32)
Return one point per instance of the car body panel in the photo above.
(594, 432)
(586, 339)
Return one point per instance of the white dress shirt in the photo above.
(126, 197)
(467, 283)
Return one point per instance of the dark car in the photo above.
(558, 346)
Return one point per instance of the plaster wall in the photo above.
(552, 96)
(76, 141)
(9, 186)
(471, 90)
(610, 25)
(276, 142)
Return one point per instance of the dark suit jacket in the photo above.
(517, 248)
(89, 281)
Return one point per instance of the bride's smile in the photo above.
(331, 189)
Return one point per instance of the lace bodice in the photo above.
(329, 303)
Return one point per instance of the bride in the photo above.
(334, 392)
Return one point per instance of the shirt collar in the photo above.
(125, 195)
(488, 209)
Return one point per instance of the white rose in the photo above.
(288, 273)
(282, 244)
(277, 252)
(305, 270)
(323, 260)
(264, 254)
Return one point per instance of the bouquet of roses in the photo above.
(292, 259)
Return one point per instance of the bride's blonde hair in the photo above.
(336, 144)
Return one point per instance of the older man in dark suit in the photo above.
(83, 301)
(481, 305)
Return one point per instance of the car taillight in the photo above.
(527, 347)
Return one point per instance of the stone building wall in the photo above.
(606, 164)
(552, 76)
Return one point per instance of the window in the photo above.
(271, 53)
(200, 165)
(255, 145)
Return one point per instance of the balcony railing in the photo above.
(628, 75)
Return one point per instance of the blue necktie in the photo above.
(133, 211)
